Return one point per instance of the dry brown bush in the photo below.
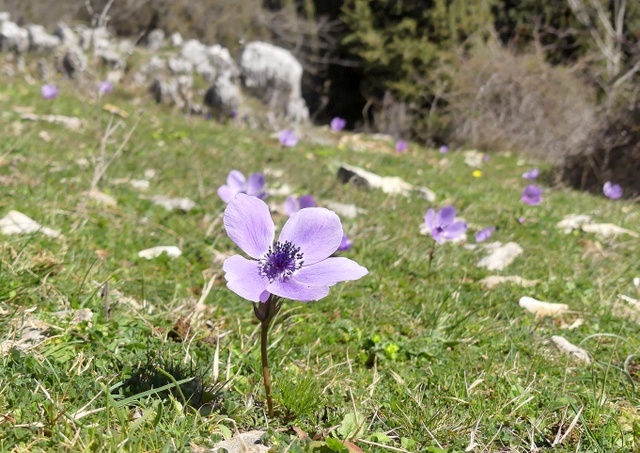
(500, 100)
(610, 153)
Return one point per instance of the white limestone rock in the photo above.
(500, 256)
(154, 252)
(542, 309)
(40, 40)
(570, 349)
(18, 223)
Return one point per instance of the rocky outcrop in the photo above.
(274, 75)
(13, 38)
(223, 98)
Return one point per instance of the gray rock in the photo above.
(110, 57)
(221, 60)
(274, 75)
(176, 40)
(173, 91)
(154, 66)
(155, 40)
(74, 62)
(5, 16)
(66, 35)
(223, 98)
(247, 442)
(13, 38)
(40, 40)
(196, 53)
(126, 46)
(179, 65)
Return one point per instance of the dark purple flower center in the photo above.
(281, 261)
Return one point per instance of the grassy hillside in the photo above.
(416, 356)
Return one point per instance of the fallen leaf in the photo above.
(607, 230)
(573, 222)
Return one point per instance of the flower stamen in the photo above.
(281, 261)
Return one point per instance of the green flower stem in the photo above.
(265, 312)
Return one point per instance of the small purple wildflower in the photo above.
(288, 138)
(105, 87)
(49, 91)
(521, 220)
(486, 158)
(443, 226)
(293, 204)
(401, 146)
(345, 244)
(237, 183)
(531, 174)
(484, 234)
(613, 191)
(297, 266)
(337, 124)
(444, 149)
(532, 195)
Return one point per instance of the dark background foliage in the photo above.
(414, 69)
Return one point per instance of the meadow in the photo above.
(102, 350)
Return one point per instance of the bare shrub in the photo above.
(610, 153)
(500, 100)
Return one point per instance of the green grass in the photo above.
(416, 356)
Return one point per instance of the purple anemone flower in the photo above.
(49, 91)
(401, 146)
(444, 149)
(237, 183)
(105, 87)
(293, 204)
(532, 195)
(288, 138)
(486, 158)
(337, 124)
(443, 226)
(613, 191)
(484, 234)
(531, 174)
(345, 244)
(297, 266)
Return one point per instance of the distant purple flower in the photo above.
(442, 224)
(297, 266)
(237, 183)
(337, 124)
(521, 220)
(401, 146)
(49, 91)
(613, 191)
(531, 174)
(484, 234)
(288, 138)
(444, 149)
(105, 87)
(486, 158)
(293, 204)
(532, 195)
(345, 244)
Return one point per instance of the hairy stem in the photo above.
(265, 364)
(265, 312)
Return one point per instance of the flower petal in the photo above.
(307, 201)
(430, 219)
(243, 278)
(295, 290)
(255, 184)
(317, 231)
(330, 271)
(226, 193)
(445, 216)
(291, 205)
(455, 230)
(248, 224)
(236, 180)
